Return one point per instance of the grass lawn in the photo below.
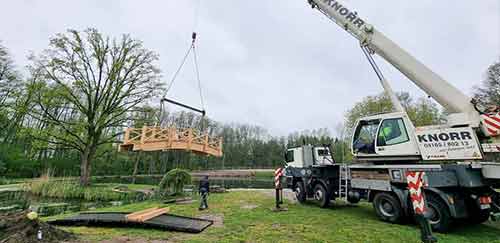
(302, 223)
(264, 174)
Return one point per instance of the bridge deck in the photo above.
(171, 138)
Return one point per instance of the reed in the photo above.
(70, 189)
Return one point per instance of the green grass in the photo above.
(70, 189)
(301, 223)
(264, 174)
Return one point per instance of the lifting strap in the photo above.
(192, 48)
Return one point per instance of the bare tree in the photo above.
(9, 78)
(10, 92)
(488, 93)
(88, 84)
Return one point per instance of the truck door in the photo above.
(394, 139)
(363, 141)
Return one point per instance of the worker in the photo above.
(203, 190)
(384, 134)
(364, 144)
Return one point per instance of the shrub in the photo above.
(174, 181)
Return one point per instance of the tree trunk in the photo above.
(136, 166)
(85, 160)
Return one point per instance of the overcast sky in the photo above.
(274, 63)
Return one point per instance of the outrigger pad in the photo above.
(110, 219)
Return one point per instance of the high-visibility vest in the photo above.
(386, 131)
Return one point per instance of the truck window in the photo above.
(323, 152)
(391, 132)
(289, 156)
(364, 137)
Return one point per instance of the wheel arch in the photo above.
(324, 183)
(444, 197)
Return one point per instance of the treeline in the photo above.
(68, 114)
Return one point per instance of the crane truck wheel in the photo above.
(476, 214)
(300, 192)
(480, 216)
(388, 207)
(321, 196)
(438, 213)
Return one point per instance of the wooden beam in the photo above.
(147, 214)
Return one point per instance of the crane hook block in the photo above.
(193, 36)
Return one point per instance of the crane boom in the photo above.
(452, 99)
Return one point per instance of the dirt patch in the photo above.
(218, 219)
(16, 227)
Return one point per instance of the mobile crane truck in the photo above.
(460, 179)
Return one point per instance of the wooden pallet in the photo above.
(171, 138)
(147, 214)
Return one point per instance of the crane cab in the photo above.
(385, 137)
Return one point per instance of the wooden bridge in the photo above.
(171, 138)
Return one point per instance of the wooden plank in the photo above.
(153, 214)
(147, 214)
(134, 215)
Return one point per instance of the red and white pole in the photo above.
(416, 185)
(278, 173)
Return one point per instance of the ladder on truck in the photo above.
(344, 179)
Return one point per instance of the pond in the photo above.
(20, 200)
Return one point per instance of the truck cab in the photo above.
(385, 136)
(308, 155)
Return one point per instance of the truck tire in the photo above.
(321, 196)
(300, 192)
(476, 214)
(438, 214)
(388, 207)
(480, 216)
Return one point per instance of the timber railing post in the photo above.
(153, 133)
(171, 134)
(205, 143)
(127, 136)
(143, 134)
(190, 138)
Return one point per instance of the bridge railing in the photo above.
(171, 138)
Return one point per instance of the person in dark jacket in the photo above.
(204, 189)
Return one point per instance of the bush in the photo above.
(174, 181)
